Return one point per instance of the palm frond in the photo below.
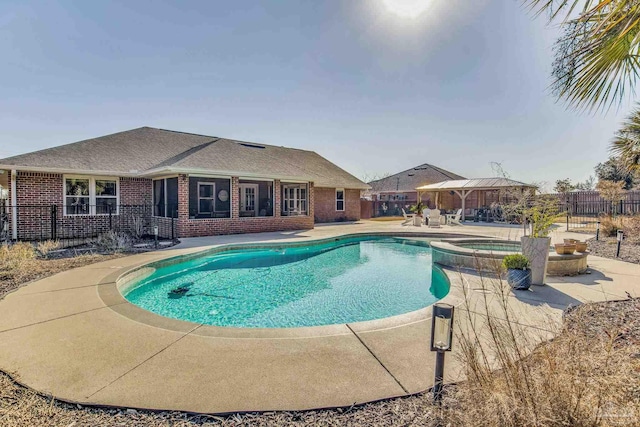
(626, 143)
(597, 60)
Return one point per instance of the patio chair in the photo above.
(408, 218)
(434, 218)
(454, 219)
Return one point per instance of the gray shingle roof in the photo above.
(146, 151)
(409, 180)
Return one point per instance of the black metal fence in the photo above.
(590, 203)
(52, 222)
(583, 209)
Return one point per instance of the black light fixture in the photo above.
(619, 236)
(441, 338)
(598, 230)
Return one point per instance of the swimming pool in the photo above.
(332, 282)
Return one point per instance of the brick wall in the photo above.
(36, 193)
(220, 226)
(325, 205)
(34, 188)
(135, 191)
(235, 225)
(42, 190)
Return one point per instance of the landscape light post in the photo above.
(620, 236)
(597, 230)
(441, 337)
(155, 235)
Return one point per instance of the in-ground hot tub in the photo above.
(487, 255)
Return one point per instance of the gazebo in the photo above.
(484, 191)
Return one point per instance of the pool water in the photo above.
(498, 246)
(342, 281)
(514, 247)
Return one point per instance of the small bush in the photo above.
(609, 226)
(112, 241)
(631, 228)
(137, 227)
(44, 248)
(15, 255)
(515, 261)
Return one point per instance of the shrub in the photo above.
(631, 228)
(137, 227)
(113, 241)
(609, 226)
(417, 208)
(515, 261)
(584, 377)
(44, 248)
(611, 191)
(16, 255)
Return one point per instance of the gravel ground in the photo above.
(606, 248)
(623, 316)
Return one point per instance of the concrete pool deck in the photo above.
(74, 337)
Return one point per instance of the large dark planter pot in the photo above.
(519, 280)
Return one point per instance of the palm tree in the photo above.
(626, 143)
(597, 59)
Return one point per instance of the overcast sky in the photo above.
(462, 85)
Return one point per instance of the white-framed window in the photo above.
(106, 196)
(206, 197)
(294, 199)
(87, 195)
(340, 199)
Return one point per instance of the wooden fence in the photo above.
(590, 203)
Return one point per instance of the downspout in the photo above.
(14, 204)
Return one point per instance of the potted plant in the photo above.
(518, 272)
(542, 213)
(565, 248)
(417, 211)
(580, 246)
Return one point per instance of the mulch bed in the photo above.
(606, 248)
(601, 318)
(40, 268)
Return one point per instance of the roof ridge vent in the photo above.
(244, 144)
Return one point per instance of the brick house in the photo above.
(394, 192)
(201, 185)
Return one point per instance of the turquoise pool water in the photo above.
(498, 246)
(347, 280)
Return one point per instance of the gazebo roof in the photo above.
(474, 184)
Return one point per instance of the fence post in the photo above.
(173, 232)
(54, 222)
(567, 220)
(110, 218)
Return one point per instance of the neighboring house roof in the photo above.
(149, 151)
(407, 181)
(475, 184)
